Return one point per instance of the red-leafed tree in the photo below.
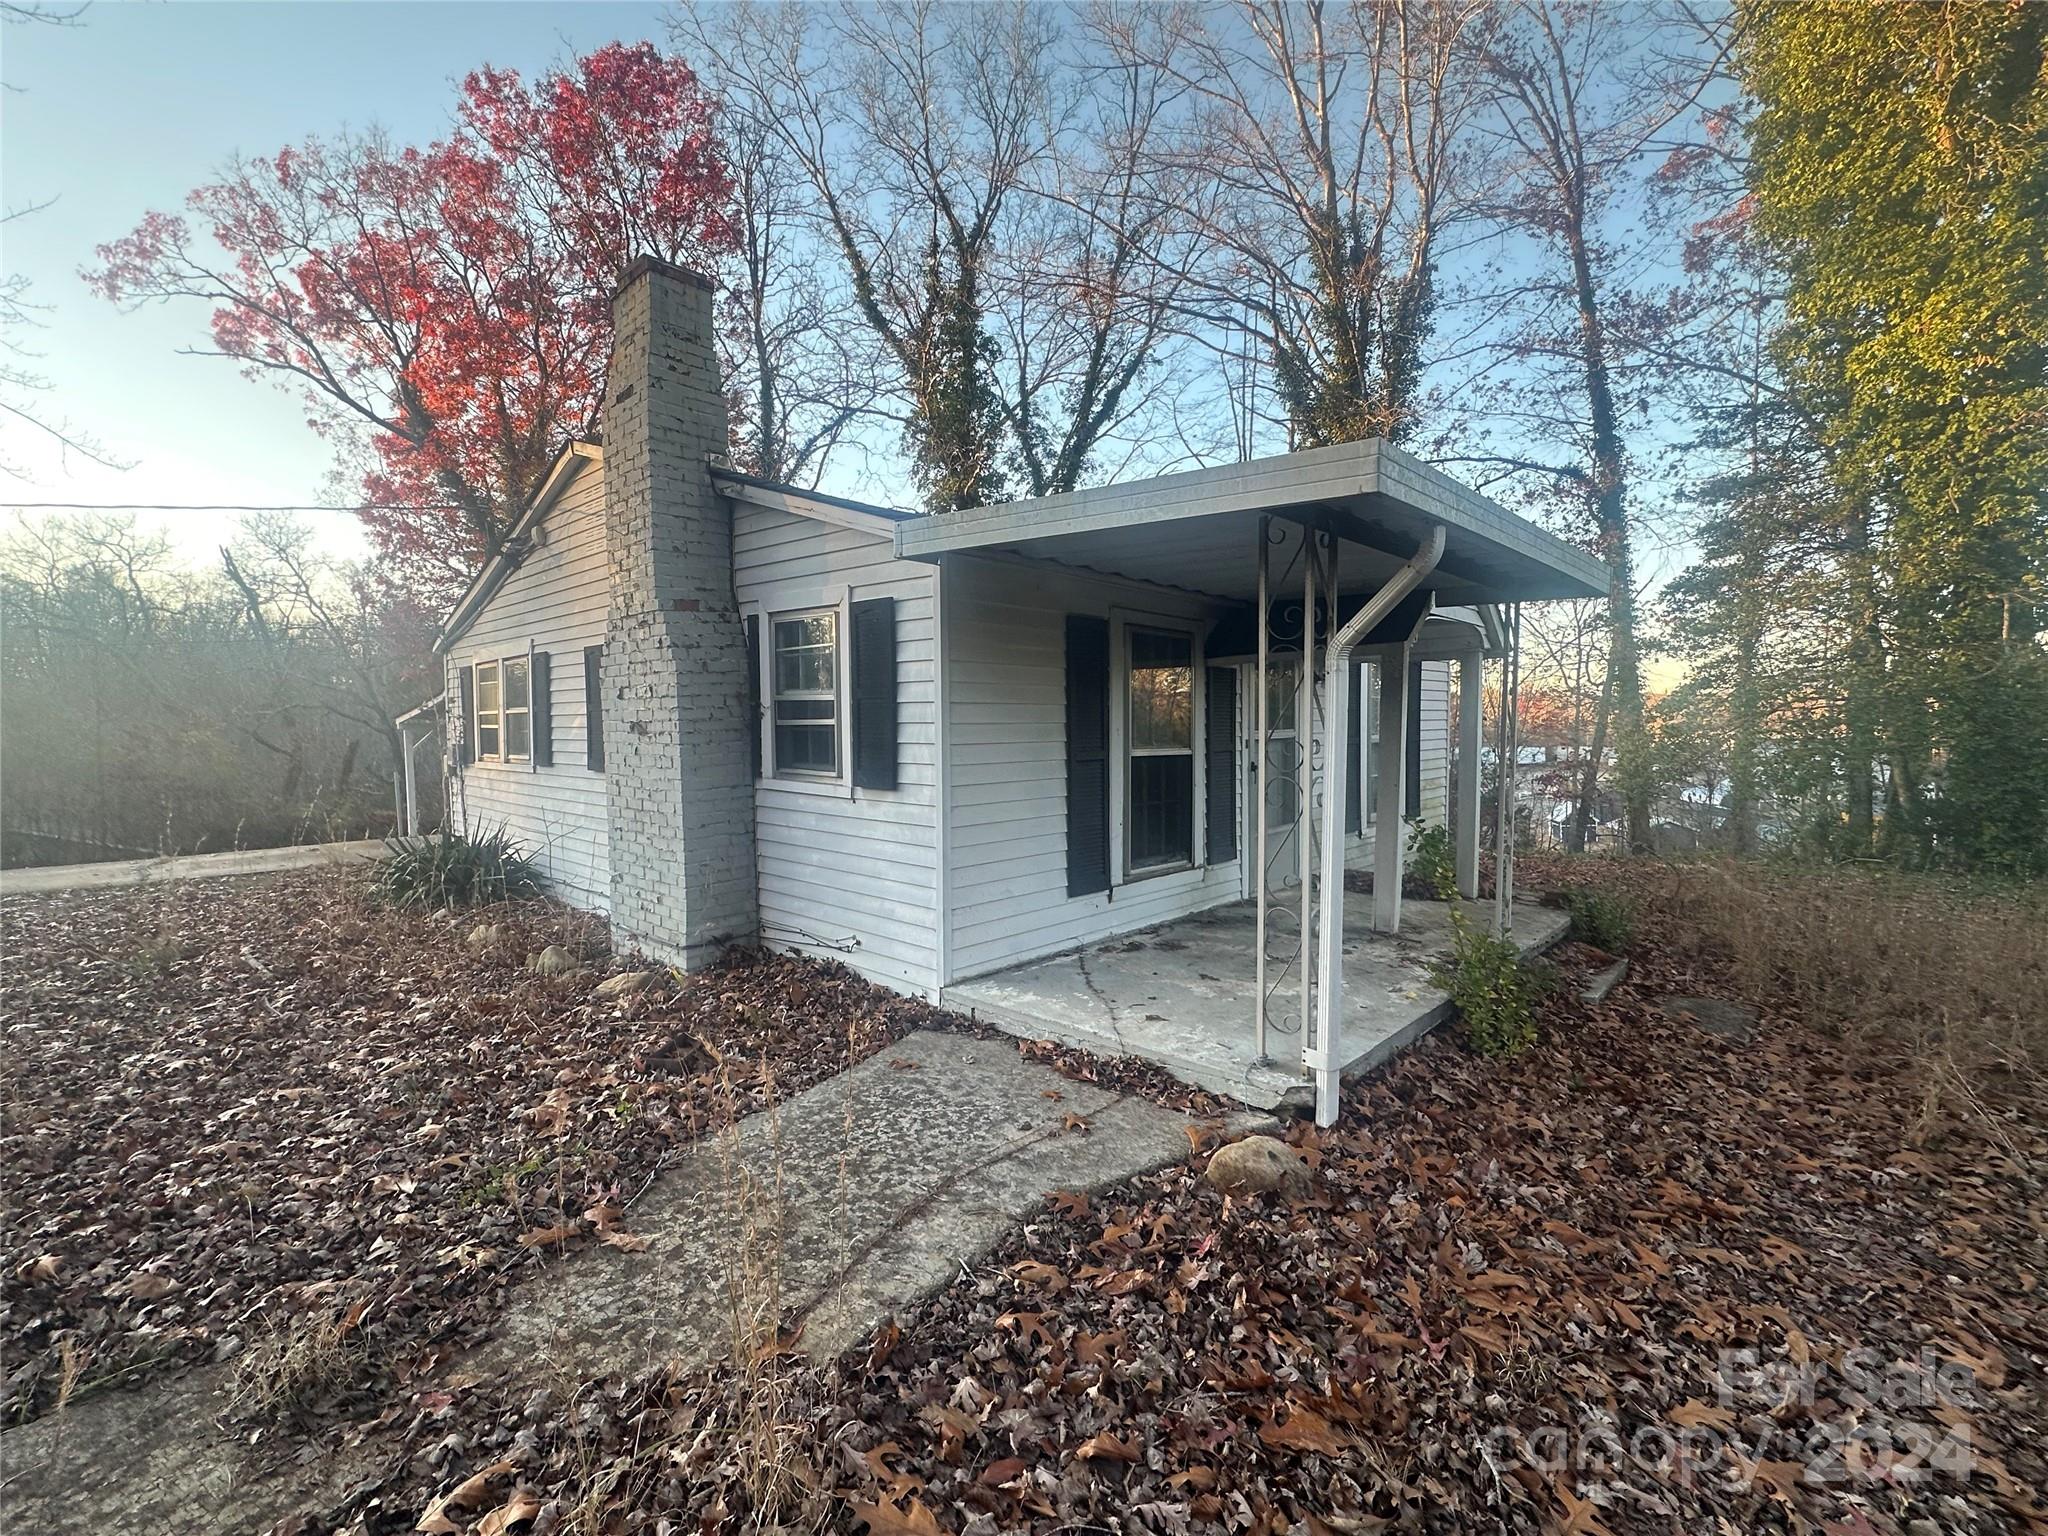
(445, 309)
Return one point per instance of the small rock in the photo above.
(625, 983)
(1258, 1165)
(485, 935)
(1715, 1015)
(552, 961)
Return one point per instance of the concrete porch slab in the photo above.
(1182, 994)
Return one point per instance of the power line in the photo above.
(222, 506)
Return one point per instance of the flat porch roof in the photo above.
(1182, 995)
(1195, 530)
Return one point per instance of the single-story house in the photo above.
(721, 710)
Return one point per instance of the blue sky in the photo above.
(137, 106)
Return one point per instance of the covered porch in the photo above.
(1183, 994)
(1234, 744)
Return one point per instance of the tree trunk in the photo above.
(1866, 670)
(1621, 697)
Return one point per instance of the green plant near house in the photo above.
(1604, 919)
(1495, 993)
(444, 869)
(1433, 860)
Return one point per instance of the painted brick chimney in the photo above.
(677, 755)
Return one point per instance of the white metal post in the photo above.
(1305, 777)
(1505, 874)
(1326, 1060)
(407, 745)
(1471, 708)
(1387, 833)
(1261, 756)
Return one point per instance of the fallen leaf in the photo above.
(1106, 1447)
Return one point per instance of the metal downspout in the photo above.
(1326, 1060)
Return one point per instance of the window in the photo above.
(804, 673)
(1369, 691)
(1283, 780)
(488, 712)
(518, 711)
(1161, 746)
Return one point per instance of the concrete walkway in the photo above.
(852, 1201)
(195, 866)
(864, 1195)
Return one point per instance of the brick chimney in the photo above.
(677, 755)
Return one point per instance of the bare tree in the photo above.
(1312, 161)
(798, 384)
(976, 184)
(1572, 129)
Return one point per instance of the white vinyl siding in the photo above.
(1006, 729)
(848, 874)
(555, 602)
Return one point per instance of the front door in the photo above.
(1281, 780)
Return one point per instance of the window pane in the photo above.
(1370, 691)
(515, 685)
(803, 709)
(806, 748)
(1162, 810)
(518, 733)
(1162, 691)
(487, 689)
(804, 653)
(1282, 693)
(487, 739)
(1283, 788)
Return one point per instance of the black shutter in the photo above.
(754, 690)
(874, 693)
(465, 733)
(1220, 790)
(593, 707)
(1087, 754)
(1414, 774)
(1354, 757)
(543, 711)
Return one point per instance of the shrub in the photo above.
(1604, 919)
(443, 869)
(1496, 994)
(1432, 861)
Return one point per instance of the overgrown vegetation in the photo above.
(1956, 972)
(447, 869)
(1604, 919)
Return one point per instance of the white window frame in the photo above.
(496, 714)
(496, 667)
(506, 711)
(771, 696)
(1121, 754)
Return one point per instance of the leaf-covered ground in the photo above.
(1644, 1278)
(238, 1106)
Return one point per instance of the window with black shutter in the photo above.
(754, 690)
(543, 711)
(593, 707)
(874, 693)
(1219, 732)
(466, 727)
(1087, 754)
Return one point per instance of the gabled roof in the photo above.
(569, 463)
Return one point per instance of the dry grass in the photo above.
(1956, 973)
(300, 1366)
